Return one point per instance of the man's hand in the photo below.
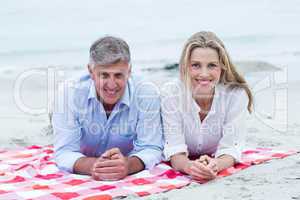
(111, 165)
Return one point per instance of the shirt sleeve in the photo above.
(172, 121)
(233, 135)
(67, 131)
(148, 144)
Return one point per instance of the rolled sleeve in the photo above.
(67, 159)
(148, 144)
(149, 156)
(67, 133)
(172, 122)
(234, 152)
(234, 128)
(172, 150)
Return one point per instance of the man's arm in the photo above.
(135, 165)
(112, 165)
(87, 165)
(84, 165)
(148, 143)
(67, 130)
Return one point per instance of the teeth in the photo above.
(203, 82)
(111, 92)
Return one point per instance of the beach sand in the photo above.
(276, 180)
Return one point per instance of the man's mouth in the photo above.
(110, 92)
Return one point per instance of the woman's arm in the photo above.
(179, 162)
(194, 168)
(172, 121)
(234, 128)
(224, 161)
(217, 164)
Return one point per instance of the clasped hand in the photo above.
(110, 166)
(204, 168)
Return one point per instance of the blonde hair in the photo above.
(229, 74)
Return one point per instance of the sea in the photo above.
(39, 37)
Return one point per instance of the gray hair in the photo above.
(109, 50)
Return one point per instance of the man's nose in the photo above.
(111, 83)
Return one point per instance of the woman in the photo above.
(204, 113)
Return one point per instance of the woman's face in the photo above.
(204, 70)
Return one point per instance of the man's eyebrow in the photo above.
(118, 73)
(101, 72)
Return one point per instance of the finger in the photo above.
(108, 163)
(214, 169)
(213, 166)
(205, 158)
(109, 176)
(109, 169)
(204, 162)
(95, 176)
(96, 163)
(205, 171)
(197, 175)
(116, 156)
(195, 171)
(101, 159)
(203, 168)
(201, 176)
(110, 152)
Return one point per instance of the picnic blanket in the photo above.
(31, 173)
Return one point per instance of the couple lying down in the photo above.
(109, 124)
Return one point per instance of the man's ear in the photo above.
(90, 71)
(129, 71)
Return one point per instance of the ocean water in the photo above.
(36, 35)
(55, 33)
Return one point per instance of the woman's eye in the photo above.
(195, 65)
(212, 65)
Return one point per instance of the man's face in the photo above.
(110, 81)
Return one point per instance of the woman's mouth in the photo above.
(203, 82)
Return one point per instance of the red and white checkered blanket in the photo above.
(31, 173)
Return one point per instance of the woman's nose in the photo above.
(204, 71)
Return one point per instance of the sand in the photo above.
(276, 180)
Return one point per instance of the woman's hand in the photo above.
(209, 162)
(200, 171)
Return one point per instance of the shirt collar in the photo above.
(126, 96)
(92, 91)
(197, 108)
(125, 99)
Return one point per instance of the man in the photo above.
(108, 124)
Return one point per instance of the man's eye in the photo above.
(119, 76)
(103, 75)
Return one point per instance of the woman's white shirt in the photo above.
(221, 132)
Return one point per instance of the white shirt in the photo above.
(221, 132)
